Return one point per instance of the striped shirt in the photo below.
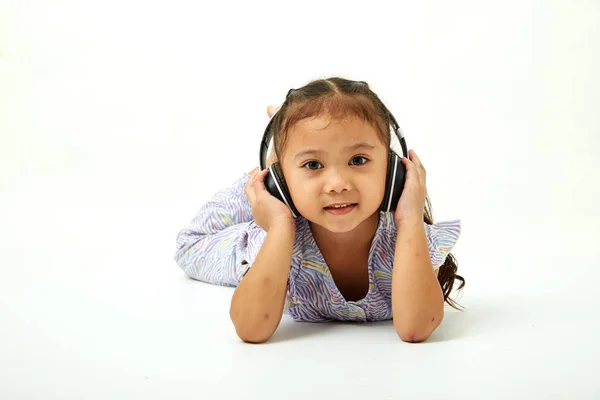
(222, 241)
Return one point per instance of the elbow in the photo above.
(181, 261)
(252, 334)
(186, 264)
(417, 333)
(187, 255)
(187, 269)
(413, 336)
(251, 337)
(250, 330)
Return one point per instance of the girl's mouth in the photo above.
(340, 210)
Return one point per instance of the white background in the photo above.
(119, 119)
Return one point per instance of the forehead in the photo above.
(324, 131)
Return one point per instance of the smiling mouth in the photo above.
(340, 207)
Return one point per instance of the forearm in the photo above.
(417, 298)
(258, 301)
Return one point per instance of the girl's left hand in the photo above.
(411, 205)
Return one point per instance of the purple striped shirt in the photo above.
(222, 241)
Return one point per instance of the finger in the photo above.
(416, 160)
(271, 110)
(258, 184)
(417, 168)
(250, 181)
(412, 172)
(413, 156)
(252, 175)
(249, 192)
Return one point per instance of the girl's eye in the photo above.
(313, 163)
(316, 162)
(362, 158)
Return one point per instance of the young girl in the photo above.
(340, 258)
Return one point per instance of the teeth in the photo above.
(342, 206)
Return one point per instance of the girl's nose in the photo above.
(337, 181)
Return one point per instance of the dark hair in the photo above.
(341, 98)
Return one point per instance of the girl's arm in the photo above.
(212, 248)
(417, 298)
(258, 302)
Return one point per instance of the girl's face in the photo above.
(321, 168)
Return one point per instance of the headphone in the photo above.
(394, 182)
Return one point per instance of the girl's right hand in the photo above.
(266, 209)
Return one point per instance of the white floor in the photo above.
(118, 120)
(114, 317)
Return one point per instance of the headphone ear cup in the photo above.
(394, 182)
(277, 187)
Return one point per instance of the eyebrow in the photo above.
(361, 145)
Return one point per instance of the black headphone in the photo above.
(394, 181)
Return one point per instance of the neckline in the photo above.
(327, 272)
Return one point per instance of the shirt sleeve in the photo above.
(222, 240)
(441, 238)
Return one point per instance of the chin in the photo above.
(338, 223)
